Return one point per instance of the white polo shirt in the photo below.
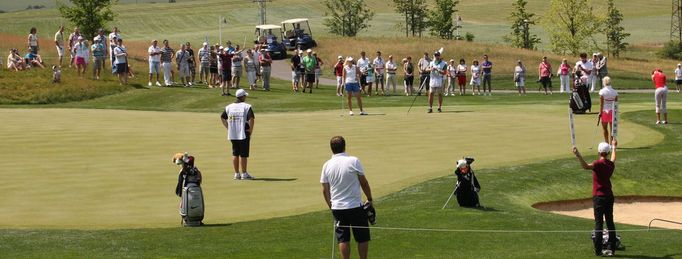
(341, 173)
(587, 65)
(155, 58)
(363, 64)
(609, 95)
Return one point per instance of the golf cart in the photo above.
(266, 36)
(296, 37)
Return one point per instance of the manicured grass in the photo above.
(508, 192)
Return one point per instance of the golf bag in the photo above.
(192, 205)
(605, 241)
(580, 98)
(467, 188)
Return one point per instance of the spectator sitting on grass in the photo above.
(33, 59)
(14, 61)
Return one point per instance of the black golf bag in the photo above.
(580, 97)
(467, 187)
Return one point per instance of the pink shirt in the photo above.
(564, 68)
(659, 79)
(545, 69)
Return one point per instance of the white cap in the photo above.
(221, 47)
(349, 58)
(461, 163)
(80, 37)
(205, 43)
(604, 148)
(309, 50)
(340, 57)
(241, 93)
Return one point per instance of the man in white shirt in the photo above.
(437, 70)
(113, 40)
(182, 60)
(423, 66)
(363, 65)
(121, 61)
(379, 66)
(342, 179)
(154, 62)
(678, 76)
(586, 66)
(391, 68)
(238, 119)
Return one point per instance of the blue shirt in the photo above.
(487, 64)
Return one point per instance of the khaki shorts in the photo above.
(436, 90)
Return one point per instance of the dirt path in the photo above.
(627, 210)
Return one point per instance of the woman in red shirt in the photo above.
(660, 96)
(545, 75)
(338, 71)
(564, 76)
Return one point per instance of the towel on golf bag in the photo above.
(605, 240)
(188, 174)
(467, 188)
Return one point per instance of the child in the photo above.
(56, 75)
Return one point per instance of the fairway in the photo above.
(75, 168)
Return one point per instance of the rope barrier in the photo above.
(500, 230)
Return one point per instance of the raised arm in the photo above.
(584, 164)
(614, 143)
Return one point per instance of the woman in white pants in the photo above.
(564, 76)
(250, 67)
(520, 77)
(452, 78)
(660, 96)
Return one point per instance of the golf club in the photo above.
(419, 91)
(448, 201)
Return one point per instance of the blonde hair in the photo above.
(606, 81)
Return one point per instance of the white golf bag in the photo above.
(192, 206)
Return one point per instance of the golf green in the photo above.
(76, 168)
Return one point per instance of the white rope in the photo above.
(499, 230)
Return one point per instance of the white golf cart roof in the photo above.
(297, 20)
(268, 27)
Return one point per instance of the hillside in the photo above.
(647, 21)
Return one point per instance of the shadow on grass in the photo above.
(634, 148)
(138, 86)
(456, 111)
(216, 225)
(484, 208)
(275, 179)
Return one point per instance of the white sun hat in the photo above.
(461, 163)
(604, 147)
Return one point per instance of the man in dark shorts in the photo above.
(309, 62)
(342, 179)
(238, 119)
(226, 73)
(602, 195)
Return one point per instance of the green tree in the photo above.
(520, 36)
(571, 25)
(88, 15)
(347, 17)
(615, 33)
(414, 12)
(440, 18)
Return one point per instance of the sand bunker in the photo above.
(635, 210)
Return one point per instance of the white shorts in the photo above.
(184, 70)
(475, 81)
(435, 82)
(60, 52)
(339, 80)
(295, 77)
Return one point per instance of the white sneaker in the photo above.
(158, 84)
(149, 84)
(351, 113)
(190, 84)
(237, 176)
(665, 122)
(246, 176)
(363, 113)
(658, 122)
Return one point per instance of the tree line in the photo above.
(573, 26)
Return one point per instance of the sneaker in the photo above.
(149, 84)
(351, 113)
(658, 122)
(158, 84)
(363, 113)
(190, 84)
(246, 176)
(237, 176)
(439, 110)
(430, 110)
(665, 122)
